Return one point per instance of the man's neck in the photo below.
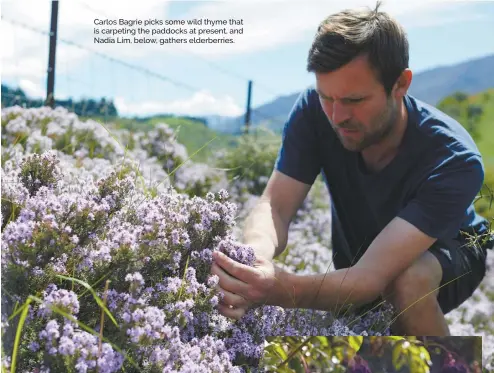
(378, 156)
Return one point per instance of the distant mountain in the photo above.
(431, 86)
(470, 77)
(271, 115)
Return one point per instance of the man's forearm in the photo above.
(348, 286)
(265, 230)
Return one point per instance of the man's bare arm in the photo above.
(393, 250)
(266, 227)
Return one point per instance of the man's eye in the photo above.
(353, 100)
(345, 100)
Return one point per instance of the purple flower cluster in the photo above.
(239, 252)
(154, 242)
(207, 354)
(79, 347)
(65, 300)
(136, 281)
(147, 325)
(46, 128)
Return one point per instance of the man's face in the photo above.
(356, 104)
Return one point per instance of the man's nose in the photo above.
(339, 113)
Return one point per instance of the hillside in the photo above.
(431, 86)
(470, 77)
(193, 134)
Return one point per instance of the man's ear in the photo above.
(403, 83)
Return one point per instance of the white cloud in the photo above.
(440, 13)
(26, 67)
(32, 89)
(199, 104)
(22, 53)
(26, 24)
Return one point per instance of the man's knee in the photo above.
(420, 280)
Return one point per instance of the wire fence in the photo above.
(130, 82)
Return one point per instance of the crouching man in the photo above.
(402, 178)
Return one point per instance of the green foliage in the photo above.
(337, 354)
(297, 354)
(251, 163)
(464, 111)
(484, 203)
(416, 357)
(10, 210)
(476, 114)
(37, 171)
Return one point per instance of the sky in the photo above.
(211, 79)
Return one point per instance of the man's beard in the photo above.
(385, 123)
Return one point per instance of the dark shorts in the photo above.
(463, 270)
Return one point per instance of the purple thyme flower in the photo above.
(66, 300)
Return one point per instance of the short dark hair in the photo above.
(353, 32)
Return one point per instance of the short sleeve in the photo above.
(441, 203)
(298, 155)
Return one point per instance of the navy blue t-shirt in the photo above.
(431, 182)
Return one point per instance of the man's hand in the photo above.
(391, 253)
(243, 286)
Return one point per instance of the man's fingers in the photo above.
(231, 299)
(238, 270)
(228, 282)
(233, 313)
